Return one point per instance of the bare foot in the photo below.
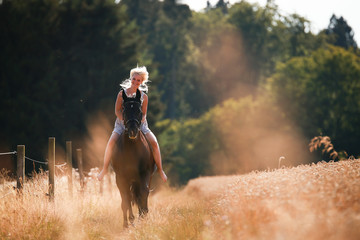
(101, 175)
(163, 176)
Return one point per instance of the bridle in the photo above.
(138, 123)
(128, 104)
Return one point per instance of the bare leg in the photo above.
(107, 156)
(157, 156)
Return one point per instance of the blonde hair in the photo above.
(143, 73)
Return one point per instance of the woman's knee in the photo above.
(155, 145)
(113, 140)
(152, 139)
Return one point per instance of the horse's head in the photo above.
(132, 118)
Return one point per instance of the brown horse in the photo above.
(133, 161)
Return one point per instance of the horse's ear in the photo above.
(124, 95)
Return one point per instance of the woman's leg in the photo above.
(107, 156)
(157, 156)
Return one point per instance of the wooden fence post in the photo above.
(69, 166)
(80, 165)
(20, 171)
(51, 166)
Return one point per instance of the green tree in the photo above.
(143, 13)
(221, 66)
(222, 5)
(165, 25)
(186, 148)
(341, 33)
(169, 46)
(255, 24)
(236, 136)
(29, 94)
(61, 62)
(299, 41)
(95, 48)
(319, 93)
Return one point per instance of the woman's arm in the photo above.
(118, 106)
(144, 107)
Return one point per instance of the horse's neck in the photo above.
(125, 140)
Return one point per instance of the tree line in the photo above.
(226, 82)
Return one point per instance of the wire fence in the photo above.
(33, 160)
(8, 153)
(59, 166)
(45, 163)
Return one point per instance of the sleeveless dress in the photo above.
(119, 126)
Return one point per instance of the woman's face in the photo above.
(136, 80)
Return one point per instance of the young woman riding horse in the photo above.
(133, 161)
(137, 82)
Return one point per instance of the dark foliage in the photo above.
(341, 33)
(60, 62)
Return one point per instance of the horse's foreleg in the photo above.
(125, 200)
(124, 208)
(131, 215)
(144, 194)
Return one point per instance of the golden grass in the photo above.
(319, 201)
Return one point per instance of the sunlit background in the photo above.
(256, 116)
(318, 12)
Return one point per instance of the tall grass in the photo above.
(307, 202)
(319, 201)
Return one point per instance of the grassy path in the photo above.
(318, 201)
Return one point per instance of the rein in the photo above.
(130, 103)
(137, 123)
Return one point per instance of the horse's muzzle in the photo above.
(133, 133)
(133, 128)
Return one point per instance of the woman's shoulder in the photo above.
(144, 97)
(143, 94)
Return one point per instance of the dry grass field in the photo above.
(318, 201)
